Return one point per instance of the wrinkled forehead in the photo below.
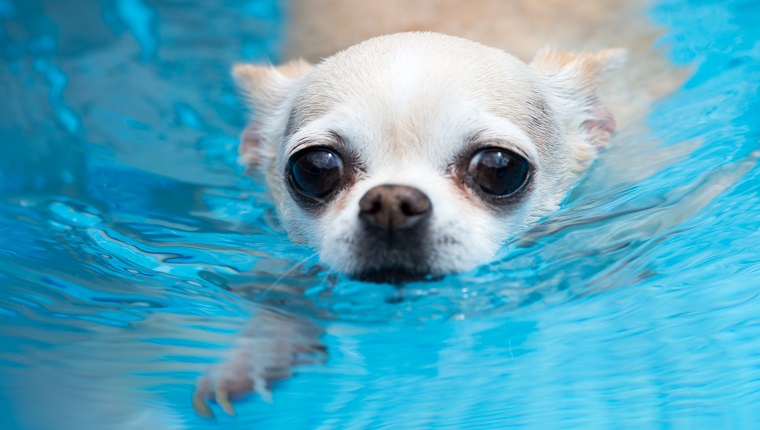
(409, 100)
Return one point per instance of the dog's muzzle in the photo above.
(393, 246)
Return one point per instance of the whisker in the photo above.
(296, 266)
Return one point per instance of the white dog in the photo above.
(419, 154)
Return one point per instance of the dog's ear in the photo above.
(578, 77)
(266, 88)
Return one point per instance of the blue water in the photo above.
(133, 248)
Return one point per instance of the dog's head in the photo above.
(419, 153)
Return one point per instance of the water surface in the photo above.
(133, 248)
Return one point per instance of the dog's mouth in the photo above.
(395, 276)
(394, 258)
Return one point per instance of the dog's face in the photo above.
(419, 153)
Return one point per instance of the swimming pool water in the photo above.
(133, 248)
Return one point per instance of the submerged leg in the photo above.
(271, 344)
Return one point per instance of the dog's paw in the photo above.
(228, 381)
(206, 389)
(269, 349)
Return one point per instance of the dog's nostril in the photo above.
(371, 203)
(406, 209)
(415, 204)
(393, 207)
(376, 206)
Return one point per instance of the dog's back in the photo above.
(319, 28)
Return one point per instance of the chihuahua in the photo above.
(418, 154)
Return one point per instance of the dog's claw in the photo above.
(265, 393)
(200, 405)
(223, 398)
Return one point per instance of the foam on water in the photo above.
(133, 248)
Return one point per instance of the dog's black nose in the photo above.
(394, 207)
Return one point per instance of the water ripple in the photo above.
(134, 249)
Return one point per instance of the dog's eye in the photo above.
(316, 172)
(497, 171)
